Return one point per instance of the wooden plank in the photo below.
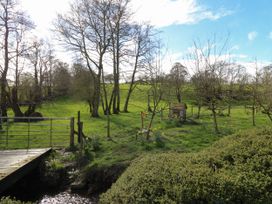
(14, 164)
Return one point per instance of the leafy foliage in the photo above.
(8, 200)
(236, 169)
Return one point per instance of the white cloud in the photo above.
(168, 12)
(252, 35)
(251, 66)
(158, 12)
(44, 12)
(270, 35)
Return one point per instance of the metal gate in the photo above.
(35, 132)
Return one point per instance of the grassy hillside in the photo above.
(167, 134)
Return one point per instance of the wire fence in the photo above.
(35, 132)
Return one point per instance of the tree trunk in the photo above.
(178, 95)
(106, 102)
(118, 86)
(90, 106)
(108, 124)
(127, 99)
(198, 111)
(156, 103)
(96, 95)
(95, 102)
(229, 109)
(116, 62)
(150, 124)
(111, 100)
(253, 113)
(214, 119)
(14, 103)
(31, 109)
(131, 84)
(3, 97)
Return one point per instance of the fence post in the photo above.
(7, 133)
(78, 127)
(1, 128)
(28, 133)
(72, 132)
(51, 130)
(81, 132)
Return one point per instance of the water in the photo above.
(65, 198)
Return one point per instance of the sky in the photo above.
(246, 23)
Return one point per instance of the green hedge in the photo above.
(236, 169)
(8, 200)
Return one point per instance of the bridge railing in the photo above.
(36, 132)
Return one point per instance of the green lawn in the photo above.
(169, 135)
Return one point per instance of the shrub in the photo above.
(236, 169)
(8, 200)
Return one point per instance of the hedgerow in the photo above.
(236, 169)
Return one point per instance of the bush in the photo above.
(8, 200)
(236, 169)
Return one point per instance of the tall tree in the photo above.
(177, 79)
(12, 23)
(264, 96)
(61, 81)
(141, 53)
(234, 75)
(211, 75)
(120, 29)
(85, 29)
(34, 55)
(156, 82)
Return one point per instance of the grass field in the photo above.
(169, 135)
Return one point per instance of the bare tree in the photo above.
(120, 29)
(235, 73)
(253, 86)
(143, 44)
(264, 96)
(34, 55)
(156, 82)
(177, 79)
(211, 75)
(86, 30)
(18, 62)
(49, 62)
(12, 23)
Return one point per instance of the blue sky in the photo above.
(247, 22)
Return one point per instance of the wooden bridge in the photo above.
(15, 164)
(29, 137)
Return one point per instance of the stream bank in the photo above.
(60, 178)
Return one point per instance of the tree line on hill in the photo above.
(103, 36)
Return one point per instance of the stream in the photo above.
(31, 188)
(65, 197)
